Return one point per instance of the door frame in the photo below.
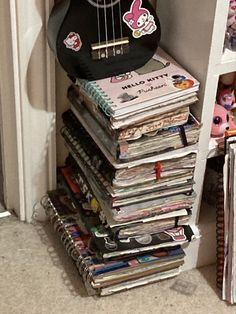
(27, 106)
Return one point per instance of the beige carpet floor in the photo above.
(37, 276)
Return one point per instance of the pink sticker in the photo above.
(73, 41)
(133, 263)
(123, 149)
(139, 20)
(177, 234)
(121, 77)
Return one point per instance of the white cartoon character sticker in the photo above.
(177, 234)
(73, 41)
(139, 20)
(121, 77)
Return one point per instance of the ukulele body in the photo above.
(90, 42)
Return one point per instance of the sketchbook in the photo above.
(109, 247)
(67, 179)
(151, 144)
(144, 211)
(74, 133)
(160, 80)
(152, 123)
(140, 282)
(182, 181)
(185, 178)
(172, 112)
(159, 174)
(106, 277)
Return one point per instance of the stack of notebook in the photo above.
(140, 113)
(132, 145)
(106, 276)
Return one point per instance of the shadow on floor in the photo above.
(210, 277)
(60, 259)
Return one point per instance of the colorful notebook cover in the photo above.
(136, 127)
(161, 79)
(97, 273)
(108, 247)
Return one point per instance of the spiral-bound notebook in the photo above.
(160, 80)
(145, 211)
(137, 128)
(229, 228)
(101, 277)
(123, 151)
(67, 179)
(162, 174)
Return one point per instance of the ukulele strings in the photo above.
(121, 28)
(105, 22)
(113, 27)
(106, 27)
(113, 30)
(99, 34)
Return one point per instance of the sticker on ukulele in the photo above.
(139, 20)
(73, 41)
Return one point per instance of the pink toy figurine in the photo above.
(220, 121)
(226, 98)
(232, 7)
(232, 13)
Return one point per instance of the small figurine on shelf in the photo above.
(230, 38)
(226, 98)
(220, 121)
(232, 13)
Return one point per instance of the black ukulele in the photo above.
(94, 39)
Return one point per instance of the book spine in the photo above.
(89, 145)
(75, 163)
(99, 96)
(76, 148)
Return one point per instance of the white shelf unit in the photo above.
(193, 33)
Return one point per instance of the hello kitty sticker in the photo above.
(139, 20)
(73, 41)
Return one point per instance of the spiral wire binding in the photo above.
(60, 225)
(99, 96)
(39, 227)
(74, 144)
(220, 225)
